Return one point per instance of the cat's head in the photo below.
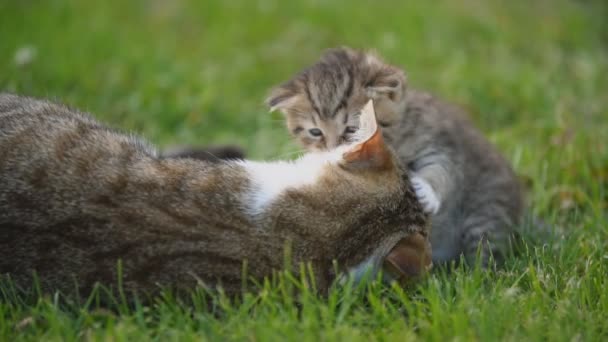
(320, 103)
(392, 210)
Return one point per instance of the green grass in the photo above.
(534, 75)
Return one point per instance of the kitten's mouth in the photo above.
(409, 260)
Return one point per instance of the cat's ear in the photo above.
(369, 149)
(409, 259)
(282, 98)
(388, 81)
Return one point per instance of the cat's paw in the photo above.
(426, 195)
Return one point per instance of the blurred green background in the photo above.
(533, 74)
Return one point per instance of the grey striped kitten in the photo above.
(76, 197)
(458, 176)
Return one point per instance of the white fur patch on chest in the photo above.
(270, 179)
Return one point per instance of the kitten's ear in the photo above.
(369, 151)
(389, 81)
(409, 259)
(282, 98)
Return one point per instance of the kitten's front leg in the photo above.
(426, 195)
(433, 179)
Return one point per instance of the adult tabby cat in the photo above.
(458, 176)
(76, 197)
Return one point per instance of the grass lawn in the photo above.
(533, 73)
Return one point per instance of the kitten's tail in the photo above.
(206, 153)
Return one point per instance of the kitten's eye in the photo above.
(351, 129)
(315, 132)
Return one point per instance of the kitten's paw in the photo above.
(426, 195)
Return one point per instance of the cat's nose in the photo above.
(409, 259)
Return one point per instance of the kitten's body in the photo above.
(479, 194)
(77, 197)
(458, 175)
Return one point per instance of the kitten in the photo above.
(459, 177)
(76, 197)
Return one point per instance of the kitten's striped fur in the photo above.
(76, 197)
(459, 176)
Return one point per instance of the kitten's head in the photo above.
(320, 104)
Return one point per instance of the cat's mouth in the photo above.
(408, 260)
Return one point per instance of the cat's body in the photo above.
(458, 175)
(77, 197)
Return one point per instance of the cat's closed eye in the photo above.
(315, 132)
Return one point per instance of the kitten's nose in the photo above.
(326, 146)
(330, 144)
(409, 259)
